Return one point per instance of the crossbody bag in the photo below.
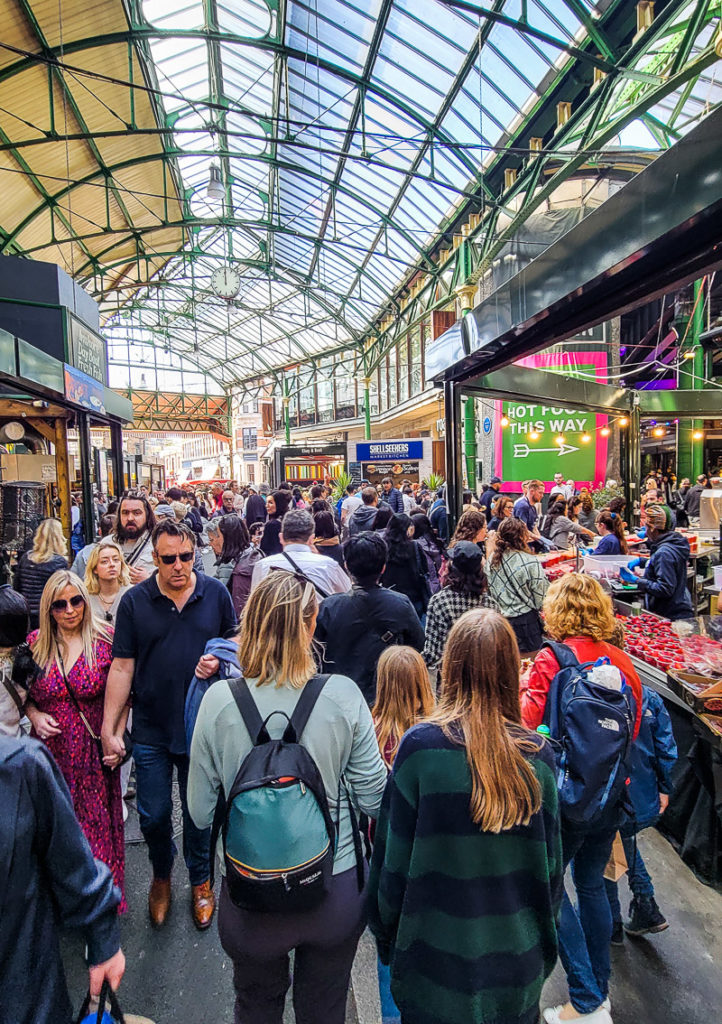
(138, 550)
(96, 739)
(319, 590)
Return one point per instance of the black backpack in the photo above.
(279, 839)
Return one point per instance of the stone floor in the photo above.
(178, 976)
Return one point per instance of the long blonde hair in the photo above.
(479, 701)
(576, 605)
(91, 569)
(403, 696)
(46, 649)
(48, 541)
(274, 641)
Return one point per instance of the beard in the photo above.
(130, 532)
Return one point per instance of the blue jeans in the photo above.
(637, 875)
(154, 778)
(584, 934)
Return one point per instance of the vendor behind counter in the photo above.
(664, 578)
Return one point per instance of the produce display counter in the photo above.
(693, 820)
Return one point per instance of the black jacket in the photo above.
(410, 577)
(271, 539)
(693, 499)
(358, 626)
(30, 579)
(665, 577)
(487, 499)
(48, 879)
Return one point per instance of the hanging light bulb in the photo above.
(689, 354)
(215, 189)
(586, 438)
(559, 439)
(624, 422)
(533, 435)
(605, 431)
(659, 432)
(697, 435)
(504, 421)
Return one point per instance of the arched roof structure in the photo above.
(352, 138)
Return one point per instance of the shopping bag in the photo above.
(617, 863)
(101, 1015)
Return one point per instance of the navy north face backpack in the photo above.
(591, 728)
(277, 830)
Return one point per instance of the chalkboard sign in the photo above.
(86, 350)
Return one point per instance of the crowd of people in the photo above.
(354, 626)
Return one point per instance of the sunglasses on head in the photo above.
(74, 602)
(185, 556)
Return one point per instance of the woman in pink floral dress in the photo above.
(72, 650)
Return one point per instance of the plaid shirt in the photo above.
(444, 609)
(518, 585)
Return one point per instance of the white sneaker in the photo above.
(598, 1016)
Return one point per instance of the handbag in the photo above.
(101, 1015)
(127, 741)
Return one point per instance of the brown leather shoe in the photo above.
(204, 903)
(159, 901)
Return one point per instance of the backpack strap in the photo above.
(566, 658)
(249, 712)
(302, 712)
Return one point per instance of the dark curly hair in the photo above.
(512, 535)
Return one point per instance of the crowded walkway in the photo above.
(446, 667)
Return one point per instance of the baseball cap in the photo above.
(495, 480)
(466, 556)
(164, 510)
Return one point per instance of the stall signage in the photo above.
(83, 390)
(371, 451)
(87, 351)
(542, 440)
(487, 424)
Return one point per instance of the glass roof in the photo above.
(348, 136)
(346, 131)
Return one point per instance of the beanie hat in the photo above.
(163, 510)
(659, 517)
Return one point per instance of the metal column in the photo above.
(452, 440)
(86, 462)
(632, 464)
(116, 449)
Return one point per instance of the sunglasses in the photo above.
(74, 602)
(185, 556)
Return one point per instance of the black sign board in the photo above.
(86, 350)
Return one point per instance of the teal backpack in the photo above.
(279, 838)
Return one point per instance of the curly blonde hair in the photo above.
(576, 605)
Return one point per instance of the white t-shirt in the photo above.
(349, 505)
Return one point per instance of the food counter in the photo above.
(663, 660)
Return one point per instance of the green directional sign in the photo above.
(528, 448)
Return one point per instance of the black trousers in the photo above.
(324, 940)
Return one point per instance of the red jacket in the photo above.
(545, 667)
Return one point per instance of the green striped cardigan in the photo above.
(465, 918)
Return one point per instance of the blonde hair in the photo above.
(576, 605)
(274, 642)
(48, 541)
(479, 702)
(403, 696)
(91, 569)
(45, 650)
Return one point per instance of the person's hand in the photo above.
(113, 750)
(137, 574)
(207, 666)
(111, 971)
(663, 802)
(44, 725)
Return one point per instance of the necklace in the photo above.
(107, 607)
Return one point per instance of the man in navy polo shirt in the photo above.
(161, 630)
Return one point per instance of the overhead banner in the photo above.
(520, 457)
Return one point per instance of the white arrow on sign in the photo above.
(522, 450)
